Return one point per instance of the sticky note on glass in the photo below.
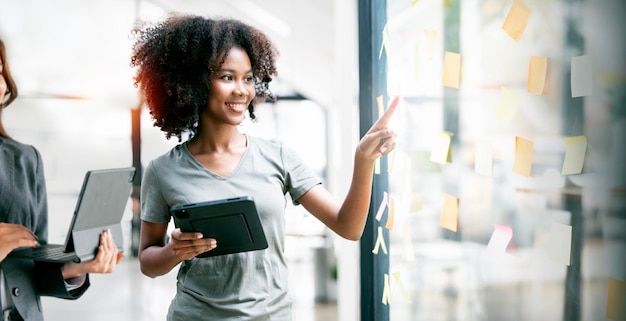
(523, 162)
(385, 44)
(508, 105)
(383, 204)
(616, 301)
(430, 40)
(441, 152)
(500, 239)
(386, 290)
(561, 242)
(451, 69)
(483, 160)
(575, 151)
(400, 285)
(516, 20)
(537, 72)
(380, 242)
(391, 214)
(449, 218)
(582, 76)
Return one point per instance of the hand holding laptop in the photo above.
(106, 259)
(13, 236)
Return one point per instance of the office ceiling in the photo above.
(73, 49)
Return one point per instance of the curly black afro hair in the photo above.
(178, 57)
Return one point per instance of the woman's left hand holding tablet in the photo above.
(187, 245)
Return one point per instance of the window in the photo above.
(493, 216)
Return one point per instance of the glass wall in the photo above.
(506, 196)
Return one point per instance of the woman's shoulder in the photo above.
(266, 143)
(172, 155)
(18, 149)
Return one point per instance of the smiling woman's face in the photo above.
(232, 88)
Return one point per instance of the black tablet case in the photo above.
(233, 222)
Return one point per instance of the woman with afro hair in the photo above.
(199, 76)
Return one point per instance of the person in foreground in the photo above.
(24, 223)
(201, 76)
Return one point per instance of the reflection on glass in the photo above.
(534, 171)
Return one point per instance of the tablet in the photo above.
(233, 222)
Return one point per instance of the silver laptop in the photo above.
(100, 206)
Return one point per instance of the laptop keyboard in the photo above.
(53, 252)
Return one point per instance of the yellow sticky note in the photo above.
(449, 218)
(441, 152)
(400, 285)
(516, 20)
(524, 150)
(575, 150)
(380, 242)
(500, 239)
(451, 69)
(582, 76)
(430, 41)
(391, 214)
(561, 242)
(379, 103)
(537, 72)
(386, 290)
(483, 161)
(616, 301)
(385, 44)
(508, 105)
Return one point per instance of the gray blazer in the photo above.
(23, 201)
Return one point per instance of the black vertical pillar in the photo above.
(372, 83)
(573, 125)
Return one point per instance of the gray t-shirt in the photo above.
(242, 286)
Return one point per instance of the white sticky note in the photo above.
(582, 76)
(561, 243)
(500, 238)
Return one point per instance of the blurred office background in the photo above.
(79, 107)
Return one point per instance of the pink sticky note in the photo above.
(500, 238)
